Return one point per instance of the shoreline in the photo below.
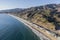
(40, 35)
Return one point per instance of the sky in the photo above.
(10, 4)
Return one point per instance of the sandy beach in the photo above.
(39, 34)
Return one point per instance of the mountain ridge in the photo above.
(47, 16)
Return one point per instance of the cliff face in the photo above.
(47, 16)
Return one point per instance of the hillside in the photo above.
(47, 16)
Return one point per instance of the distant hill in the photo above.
(47, 16)
(12, 10)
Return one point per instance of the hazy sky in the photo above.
(9, 4)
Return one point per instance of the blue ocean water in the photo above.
(12, 29)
